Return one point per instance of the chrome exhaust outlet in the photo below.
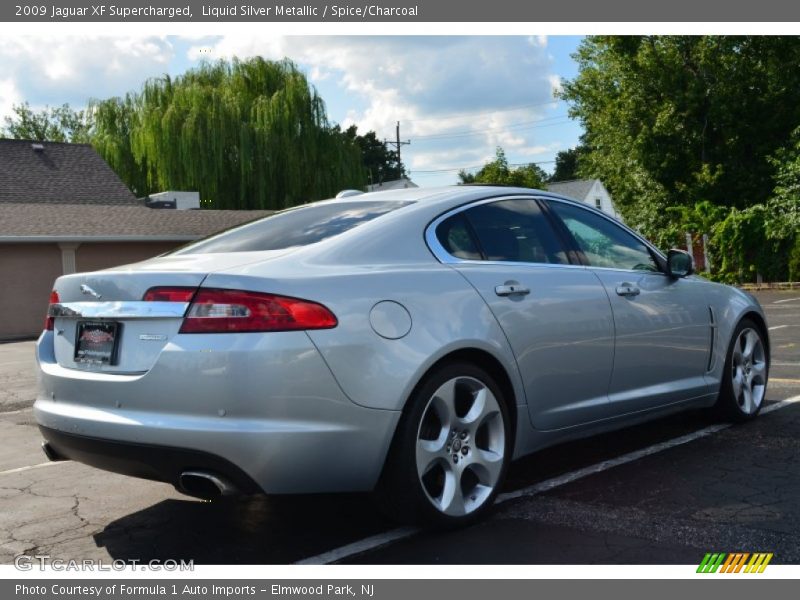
(205, 485)
(50, 452)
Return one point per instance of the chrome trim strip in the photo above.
(118, 310)
(446, 258)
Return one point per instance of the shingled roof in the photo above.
(53, 172)
(20, 221)
(575, 188)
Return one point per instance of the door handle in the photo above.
(511, 289)
(627, 289)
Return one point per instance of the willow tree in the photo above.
(246, 134)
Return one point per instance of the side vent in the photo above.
(712, 345)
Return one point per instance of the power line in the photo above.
(450, 169)
(478, 114)
(515, 126)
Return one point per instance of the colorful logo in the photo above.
(735, 562)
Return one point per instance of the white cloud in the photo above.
(75, 68)
(9, 96)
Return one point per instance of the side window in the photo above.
(515, 231)
(602, 242)
(454, 236)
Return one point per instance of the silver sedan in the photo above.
(410, 343)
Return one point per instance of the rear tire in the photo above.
(451, 450)
(745, 374)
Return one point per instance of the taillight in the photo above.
(169, 294)
(49, 322)
(229, 311)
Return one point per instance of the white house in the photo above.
(589, 191)
(395, 184)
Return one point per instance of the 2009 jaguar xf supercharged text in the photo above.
(410, 342)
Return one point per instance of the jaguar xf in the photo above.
(411, 343)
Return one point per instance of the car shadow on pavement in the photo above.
(249, 530)
(285, 529)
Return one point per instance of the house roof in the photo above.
(58, 173)
(87, 222)
(576, 188)
(394, 184)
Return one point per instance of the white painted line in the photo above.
(28, 468)
(16, 412)
(785, 300)
(370, 543)
(777, 327)
(382, 539)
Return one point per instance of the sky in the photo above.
(457, 98)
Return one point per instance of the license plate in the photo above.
(97, 342)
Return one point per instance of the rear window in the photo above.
(294, 227)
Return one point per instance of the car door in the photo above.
(555, 313)
(662, 324)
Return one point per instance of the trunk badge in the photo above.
(85, 289)
(152, 337)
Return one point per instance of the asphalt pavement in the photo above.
(664, 492)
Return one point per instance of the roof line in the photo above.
(572, 180)
(5, 139)
(52, 239)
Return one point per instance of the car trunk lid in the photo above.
(102, 322)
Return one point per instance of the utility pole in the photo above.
(397, 143)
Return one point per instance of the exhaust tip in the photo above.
(208, 486)
(51, 453)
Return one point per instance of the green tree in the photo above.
(56, 124)
(381, 163)
(783, 220)
(499, 172)
(567, 164)
(246, 134)
(674, 119)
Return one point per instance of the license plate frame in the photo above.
(103, 349)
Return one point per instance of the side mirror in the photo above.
(679, 264)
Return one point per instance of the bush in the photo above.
(794, 261)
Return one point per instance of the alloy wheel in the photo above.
(748, 371)
(461, 445)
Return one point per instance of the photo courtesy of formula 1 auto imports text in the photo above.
(304, 300)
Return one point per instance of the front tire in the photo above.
(744, 377)
(451, 450)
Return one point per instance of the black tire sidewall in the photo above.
(727, 405)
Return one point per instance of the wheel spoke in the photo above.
(483, 408)
(486, 465)
(750, 342)
(452, 500)
(759, 372)
(430, 453)
(444, 402)
(738, 382)
(737, 352)
(748, 406)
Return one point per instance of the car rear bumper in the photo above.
(265, 412)
(146, 461)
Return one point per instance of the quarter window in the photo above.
(503, 231)
(602, 242)
(455, 237)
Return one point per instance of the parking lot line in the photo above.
(786, 300)
(777, 327)
(382, 539)
(17, 412)
(29, 467)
